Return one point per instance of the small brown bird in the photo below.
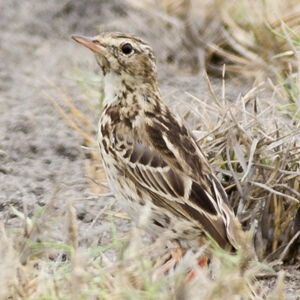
(149, 156)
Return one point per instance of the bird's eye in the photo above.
(127, 48)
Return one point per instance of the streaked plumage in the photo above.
(150, 157)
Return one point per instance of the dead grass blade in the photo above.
(80, 124)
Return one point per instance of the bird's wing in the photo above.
(180, 194)
(171, 139)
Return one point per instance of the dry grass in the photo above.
(257, 37)
(53, 269)
(254, 38)
(253, 144)
(256, 153)
(79, 123)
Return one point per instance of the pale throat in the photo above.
(116, 86)
(113, 87)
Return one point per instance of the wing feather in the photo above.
(174, 192)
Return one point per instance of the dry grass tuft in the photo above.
(256, 153)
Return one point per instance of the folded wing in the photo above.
(180, 194)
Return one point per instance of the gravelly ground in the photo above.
(38, 151)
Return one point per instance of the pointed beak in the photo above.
(91, 43)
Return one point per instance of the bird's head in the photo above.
(124, 55)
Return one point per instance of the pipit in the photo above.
(150, 157)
